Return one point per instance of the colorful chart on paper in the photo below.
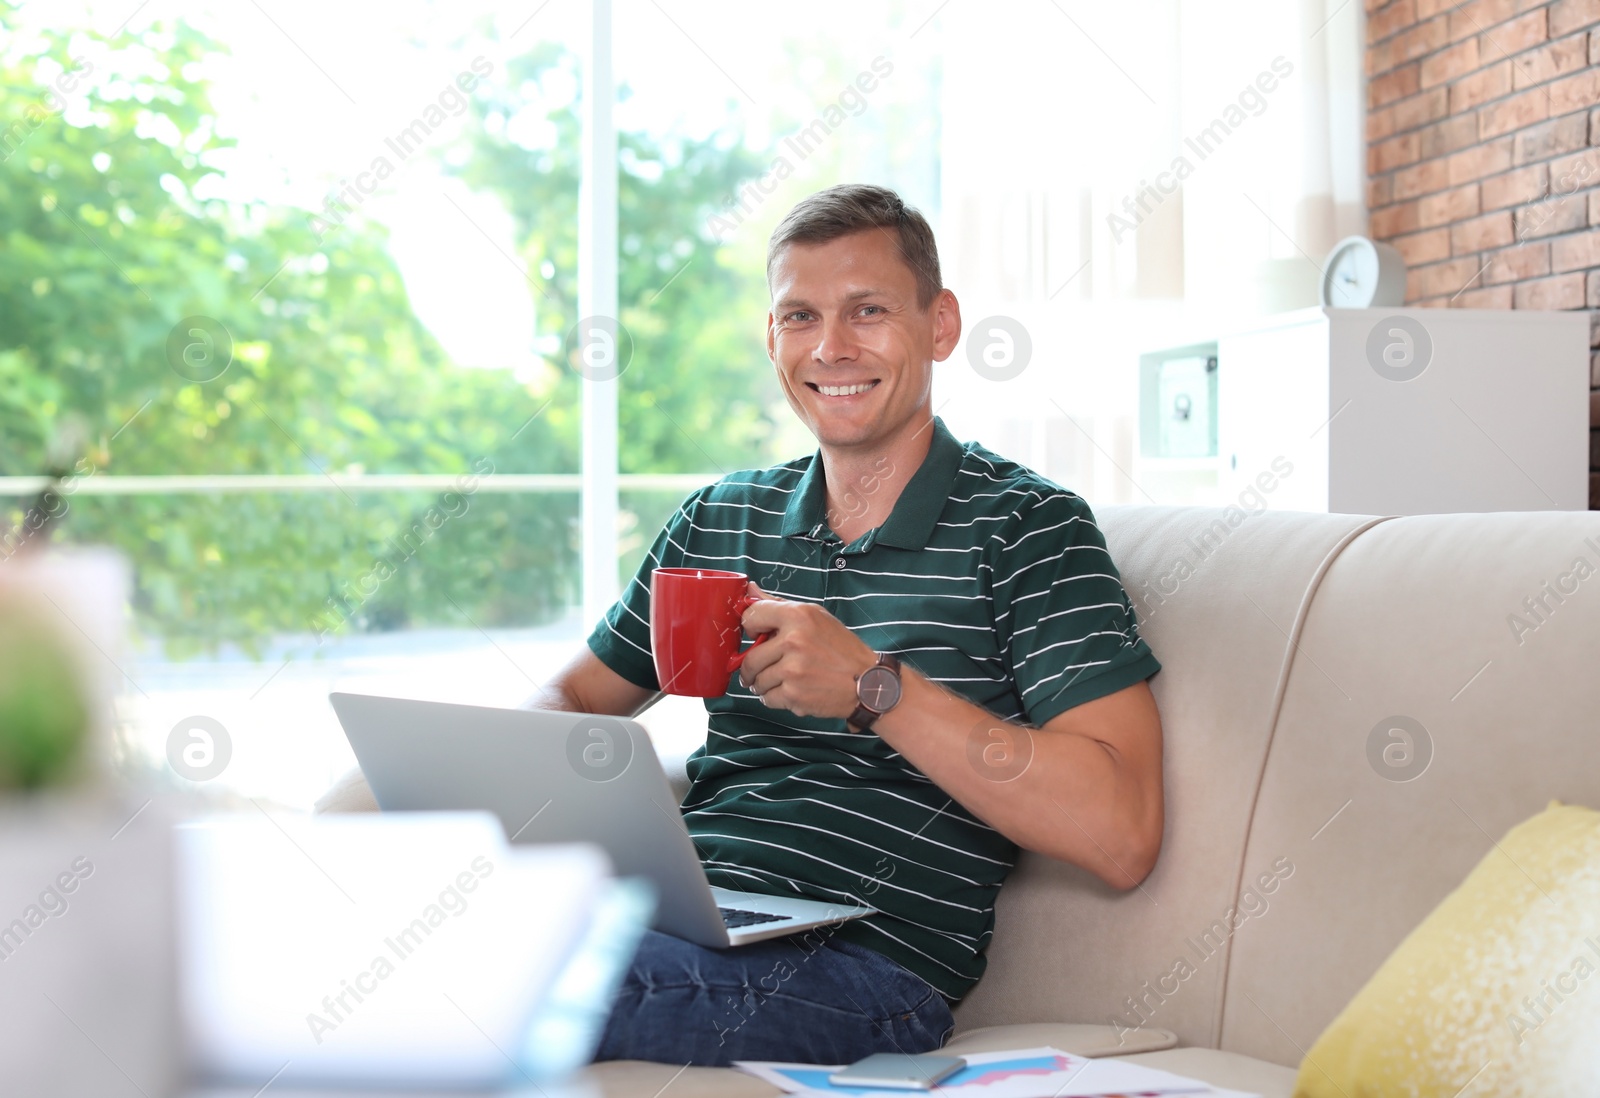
(1021, 1073)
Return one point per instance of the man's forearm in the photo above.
(585, 685)
(1058, 790)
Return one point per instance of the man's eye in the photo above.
(797, 318)
(871, 310)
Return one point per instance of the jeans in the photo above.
(804, 999)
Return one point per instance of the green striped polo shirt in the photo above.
(987, 578)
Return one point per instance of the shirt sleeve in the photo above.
(621, 640)
(1064, 622)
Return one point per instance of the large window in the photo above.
(290, 296)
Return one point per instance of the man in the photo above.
(1023, 717)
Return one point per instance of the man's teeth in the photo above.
(844, 390)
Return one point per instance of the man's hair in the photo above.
(856, 207)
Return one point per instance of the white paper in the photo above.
(1017, 1073)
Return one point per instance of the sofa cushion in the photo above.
(1498, 988)
(1217, 603)
(1412, 620)
(642, 1079)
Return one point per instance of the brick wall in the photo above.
(1483, 156)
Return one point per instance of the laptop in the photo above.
(563, 778)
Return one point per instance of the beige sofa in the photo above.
(1290, 644)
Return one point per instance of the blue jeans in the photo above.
(806, 998)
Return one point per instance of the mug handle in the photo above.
(737, 661)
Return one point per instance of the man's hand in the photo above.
(809, 664)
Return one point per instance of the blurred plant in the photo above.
(44, 717)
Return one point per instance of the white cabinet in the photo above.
(1400, 412)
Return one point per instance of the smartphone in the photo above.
(898, 1070)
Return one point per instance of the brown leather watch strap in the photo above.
(862, 718)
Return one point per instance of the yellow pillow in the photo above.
(1497, 992)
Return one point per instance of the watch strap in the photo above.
(862, 718)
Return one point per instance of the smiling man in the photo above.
(954, 671)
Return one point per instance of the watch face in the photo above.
(878, 689)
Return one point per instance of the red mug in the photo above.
(695, 629)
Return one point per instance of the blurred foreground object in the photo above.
(87, 986)
(402, 949)
(62, 617)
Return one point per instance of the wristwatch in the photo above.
(877, 691)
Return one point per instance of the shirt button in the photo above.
(838, 562)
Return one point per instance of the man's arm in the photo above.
(1091, 790)
(586, 685)
(1090, 787)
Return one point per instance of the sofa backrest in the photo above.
(1354, 708)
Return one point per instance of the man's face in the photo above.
(853, 351)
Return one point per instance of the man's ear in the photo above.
(946, 324)
(772, 338)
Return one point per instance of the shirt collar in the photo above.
(918, 508)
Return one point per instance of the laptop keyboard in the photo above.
(735, 917)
